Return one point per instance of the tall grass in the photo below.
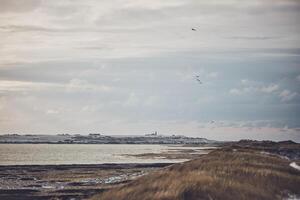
(222, 174)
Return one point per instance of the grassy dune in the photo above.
(222, 174)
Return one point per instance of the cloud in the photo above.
(74, 85)
(154, 4)
(24, 28)
(235, 91)
(270, 89)
(78, 85)
(52, 112)
(213, 75)
(245, 52)
(248, 86)
(92, 30)
(253, 37)
(22, 86)
(243, 91)
(19, 5)
(287, 95)
(152, 101)
(35, 28)
(15, 85)
(90, 108)
(245, 81)
(132, 100)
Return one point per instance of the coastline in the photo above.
(76, 181)
(242, 170)
(81, 181)
(87, 166)
(228, 167)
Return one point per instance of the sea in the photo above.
(59, 154)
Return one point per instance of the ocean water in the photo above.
(54, 154)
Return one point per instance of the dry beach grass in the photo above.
(222, 174)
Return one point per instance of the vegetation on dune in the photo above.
(222, 174)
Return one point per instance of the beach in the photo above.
(80, 180)
(67, 181)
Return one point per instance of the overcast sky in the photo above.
(129, 67)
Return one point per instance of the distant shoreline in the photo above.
(102, 139)
(87, 166)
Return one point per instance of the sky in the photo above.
(128, 67)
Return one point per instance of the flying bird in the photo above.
(198, 79)
(193, 29)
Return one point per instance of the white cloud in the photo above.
(15, 85)
(102, 29)
(154, 4)
(152, 101)
(287, 95)
(78, 85)
(89, 108)
(74, 85)
(269, 89)
(244, 81)
(248, 86)
(52, 112)
(235, 91)
(243, 90)
(22, 86)
(132, 100)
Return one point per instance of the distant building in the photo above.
(14, 134)
(94, 134)
(152, 134)
(63, 134)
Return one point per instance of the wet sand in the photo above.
(67, 181)
(177, 154)
(74, 182)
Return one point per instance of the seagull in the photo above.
(199, 81)
(197, 78)
(193, 29)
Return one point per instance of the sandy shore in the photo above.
(72, 182)
(67, 181)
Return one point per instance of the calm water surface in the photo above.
(42, 154)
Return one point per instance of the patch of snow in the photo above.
(274, 154)
(48, 187)
(114, 179)
(265, 153)
(284, 157)
(292, 197)
(295, 166)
